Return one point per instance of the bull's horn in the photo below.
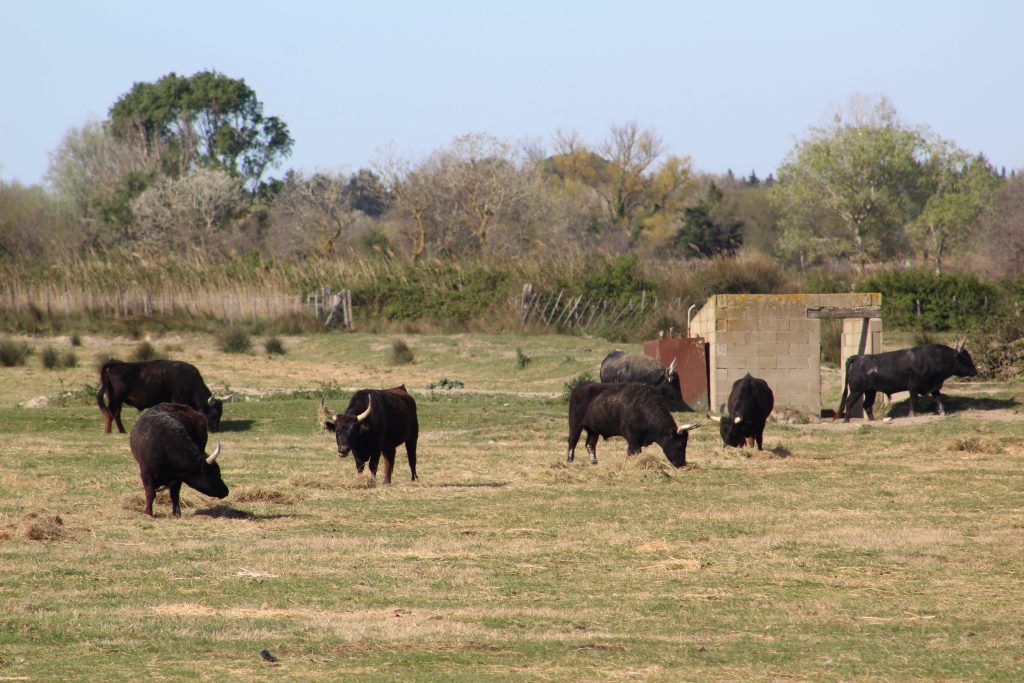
(366, 413)
(713, 418)
(210, 400)
(736, 420)
(672, 367)
(687, 427)
(213, 456)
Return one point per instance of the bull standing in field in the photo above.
(632, 410)
(375, 422)
(619, 366)
(750, 403)
(145, 384)
(169, 443)
(921, 370)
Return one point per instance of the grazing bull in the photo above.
(169, 443)
(375, 422)
(750, 403)
(631, 410)
(921, 370)
(619, 366)
(144, 385)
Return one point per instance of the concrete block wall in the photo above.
(771, 337)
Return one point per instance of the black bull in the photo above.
(145, 384)
(169, 442)
(921, 370)
(375, 422)
(750, 403)
(631, 410)
(619, 366)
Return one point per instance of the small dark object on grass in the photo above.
(522, 360)
(265, 653)
(233, 339)
(273, 346)
(400, 353)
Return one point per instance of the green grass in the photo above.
(886, 551)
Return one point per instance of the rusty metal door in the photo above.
(691, 359)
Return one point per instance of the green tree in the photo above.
(956, 189)
(709, 227)
(849, 189)
(206, 119)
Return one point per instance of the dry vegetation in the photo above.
(883, 551)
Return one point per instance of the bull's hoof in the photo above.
(593, 461)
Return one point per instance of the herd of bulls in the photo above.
(633, 400)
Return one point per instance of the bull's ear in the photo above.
(328, 426)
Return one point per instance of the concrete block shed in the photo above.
(777, 337)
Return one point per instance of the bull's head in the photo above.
(675, 445)
(208, 480)
(346, 428)
(213, 410)
(734, 432)
(963, 364)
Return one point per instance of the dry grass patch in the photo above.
(974, 445)
(35, 526)
(260, 494)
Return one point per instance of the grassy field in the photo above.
(889, 551)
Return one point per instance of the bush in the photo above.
(924, 300)
(750, 274)
(234, 339)
(522, 360)
(399, 353)
(997, 347)
(446, 384)
(432, 292)
(145, 351)
(13, 353)
(571, 384)
(50, 358)
(75, 340)
(273, 346)
(618, 280)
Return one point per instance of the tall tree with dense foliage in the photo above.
(849, 188)
(710, 227)
(956, 189)
(207, 119)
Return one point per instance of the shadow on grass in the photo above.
(236, 425)
(952, 404)
(228, 512)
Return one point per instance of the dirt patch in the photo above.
(36, 526)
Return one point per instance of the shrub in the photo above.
(273, 346)
(399, 353)
(145, 351)
(571, 384)
(749, 274)
(446, 384)
(50, 358)
(75, 340)
(13, 353)
(921, 299)
(522, 360)
(618, 280)
(69, 360)
(233, 339)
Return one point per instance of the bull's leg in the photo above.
(633, 446)
(759, 438)
(410, 450)
(117, 419)
(592, 446)
(374, 460)
(938, 401)
(574, 438)
(174, 489)
(389, 464)
(114, 412)
(851, 401)
(150, 490)
(869, 403)
(910, 402)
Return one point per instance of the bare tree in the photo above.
(320, 209)
(189, 211)
(1003, 227)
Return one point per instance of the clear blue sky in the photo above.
(732, 84)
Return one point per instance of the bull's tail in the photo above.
(846, 388)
